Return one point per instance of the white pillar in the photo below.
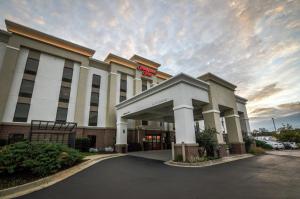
(212, 120)
(184, 124)
(121, 131)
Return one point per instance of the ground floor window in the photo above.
(16, 137)
(92, 141)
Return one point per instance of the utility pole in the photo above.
(274, 124)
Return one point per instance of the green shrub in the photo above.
(3, 142)
(289, 136)
(263, 144)
(83, 144)
(207, 139)
(38, 158)
(178, 158)
(257, 151)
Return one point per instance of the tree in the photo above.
(208, 140)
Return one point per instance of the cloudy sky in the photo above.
(254, 44)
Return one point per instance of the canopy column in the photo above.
(186, 145)
(121, 139)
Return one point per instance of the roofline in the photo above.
(241, 99)
(163, 75)
(180, 78)
(120, 60)
(5, 32)
(209, 76)
(145, 61)
(99, 61)
(48, 39)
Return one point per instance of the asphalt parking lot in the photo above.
(266, 176)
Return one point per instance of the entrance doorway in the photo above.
(152, 142)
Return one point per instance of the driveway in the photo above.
(163, 155)
(266, 176)
(294, 153)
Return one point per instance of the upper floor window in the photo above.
(123, 87)
(94, 99)
(67, 74)
(96, 81)
(61, 114)
(31, 66)
(26, 88)
(21, 112)
(64, 94)
(144, 84)
(93, 118)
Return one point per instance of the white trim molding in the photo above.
(112, 73)
(183, 106)
(11, 47)
(125, 123)
(211, 111)
(85, 67)
(231, 116)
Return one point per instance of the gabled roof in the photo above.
(144, 61)
(48, 39)
(120, 60)
(211, 77)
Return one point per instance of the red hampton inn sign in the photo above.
(146, 71)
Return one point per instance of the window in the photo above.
(21, 112)
(144, 84)
(123, 87)
(61, 114)
(93, 118)
(16, 137)
(26, 88)
(64, 95)
(67, 74)
(94, 99)
(96, 81)
(93, 139)
(144, 122)
(31, 66)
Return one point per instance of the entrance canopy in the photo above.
(158, 102)
(174, 100)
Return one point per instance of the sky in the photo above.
(255, 44)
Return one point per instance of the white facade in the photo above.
(2, 52)
(44, 101)
(15, 88)
(102, 96)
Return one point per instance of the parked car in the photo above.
(290, 145)
(275, 145)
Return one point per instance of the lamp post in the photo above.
(274, 124)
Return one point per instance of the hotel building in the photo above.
(117, 102)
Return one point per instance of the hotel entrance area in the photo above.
(149, 140)
(154, 140)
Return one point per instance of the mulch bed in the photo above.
(11, 180)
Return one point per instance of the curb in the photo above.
(207, 163)
(30, 187)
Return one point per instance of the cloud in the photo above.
(253, 44)
(281, 110)
(265, 92)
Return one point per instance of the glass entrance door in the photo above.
(152, 142)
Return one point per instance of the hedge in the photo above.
(38, 158)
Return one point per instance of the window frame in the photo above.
(93, 123)
(66, 114)
(21, 119)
